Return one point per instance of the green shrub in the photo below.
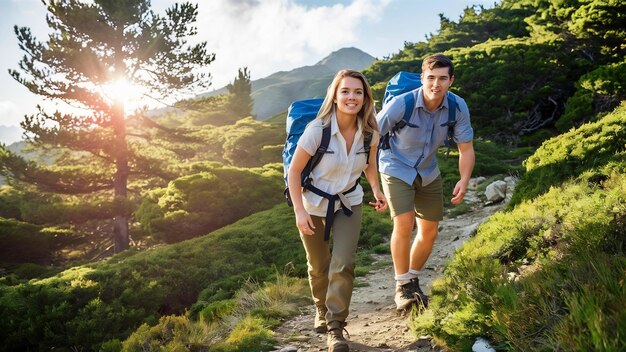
(245, 140)
(114, 345)
(172, 333)
(568, 155)
(514, 85)
(375, 229)
(23, 242)
(10, 202)
(42, 208)
(217, 310)
(250, 334)
(598, 91)
(196, 204)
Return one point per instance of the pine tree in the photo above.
(95, 51)
(241, 90)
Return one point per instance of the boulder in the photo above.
(496, 191)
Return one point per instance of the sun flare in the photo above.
(122, 89)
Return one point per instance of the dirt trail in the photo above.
(373, 323)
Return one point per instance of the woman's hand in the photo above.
(304, 222)
(380, 204)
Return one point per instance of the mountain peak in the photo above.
(274, 93)
(352, 58)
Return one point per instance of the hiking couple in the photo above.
(347, 126)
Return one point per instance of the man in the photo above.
(410, 175)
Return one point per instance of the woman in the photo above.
(349, 111)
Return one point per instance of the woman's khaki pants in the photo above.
(331, 274)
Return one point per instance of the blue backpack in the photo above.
(300, 113)
(404, 82)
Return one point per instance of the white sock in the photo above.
(405, 278)
(414, 272)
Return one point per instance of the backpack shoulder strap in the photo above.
(367, 145)
(451, 109)
(452, 105)
(317, 157)
(321, 150)
(409, 106)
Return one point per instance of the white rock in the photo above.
(482, 345)
(512, 276)
(289, 349)
(511, 182)
(496, 191)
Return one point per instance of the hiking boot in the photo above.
(421, 297)
(336, 342)
(405, 296)
(320, 319)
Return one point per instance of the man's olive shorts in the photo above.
(425, 201)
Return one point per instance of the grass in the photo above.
(547, 274)
(245, 325)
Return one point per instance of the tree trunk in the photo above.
(120, 221)
(120, 232)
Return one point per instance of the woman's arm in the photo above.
(371, 173)
(303, 219)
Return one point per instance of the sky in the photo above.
(266, 36)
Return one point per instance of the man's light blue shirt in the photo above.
(413, 149)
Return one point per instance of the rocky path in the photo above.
(373, 323)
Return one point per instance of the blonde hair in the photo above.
(366, 114)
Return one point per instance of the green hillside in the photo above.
(88, 305)
(212, 237)
(548, 274)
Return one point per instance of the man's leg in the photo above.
(401, 241)
(429, 210)
(423, 244)
(400, 252)
(401, 198)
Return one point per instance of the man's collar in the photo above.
(419, 101)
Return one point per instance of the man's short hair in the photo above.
(437, 61)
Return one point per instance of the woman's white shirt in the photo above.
(337, 171)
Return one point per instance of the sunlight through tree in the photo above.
(102, 58)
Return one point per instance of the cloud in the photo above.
(271, 35)
(10, 114)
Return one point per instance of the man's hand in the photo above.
(459, 193)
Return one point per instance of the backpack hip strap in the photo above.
(330, 211)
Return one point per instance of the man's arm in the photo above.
(466, 166)
(390, 115)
